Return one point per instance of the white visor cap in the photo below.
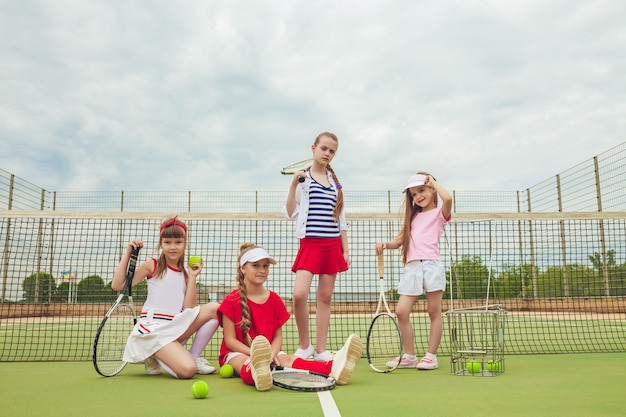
(415, 181)
(254, 255)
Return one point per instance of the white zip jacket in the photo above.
(302, 207)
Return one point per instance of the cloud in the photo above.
(221, 95)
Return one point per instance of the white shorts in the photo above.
(422, 276)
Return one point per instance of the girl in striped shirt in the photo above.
(317, 205)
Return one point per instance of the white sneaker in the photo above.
(152, 366)
(325, 356)
(204, 367)
(260, 357)
(304, 353)
(346, 359)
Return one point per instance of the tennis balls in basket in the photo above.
(472, 367)
(194, 260)
(493, 366)
(226, 371)
(200, 389)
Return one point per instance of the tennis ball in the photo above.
(200, 389)
(226, 371)
(493, 366)
(194, 260)
(473, 367)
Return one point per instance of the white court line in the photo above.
(328, 404)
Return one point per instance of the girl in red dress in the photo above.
(252, 318)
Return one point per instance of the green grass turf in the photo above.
(540, 385)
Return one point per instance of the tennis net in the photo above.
(560, 276)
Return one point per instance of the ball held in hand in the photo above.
(226, 371)
(193, 260)
(200, 389)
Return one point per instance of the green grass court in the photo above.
(574, 384)
(569, 385)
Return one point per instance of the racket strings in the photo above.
(300, 380)
(298, 166)
(384, 343)
(111, 340)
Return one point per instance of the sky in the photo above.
(198, 95)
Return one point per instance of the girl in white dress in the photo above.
(171, 313)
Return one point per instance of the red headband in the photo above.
(174, 222)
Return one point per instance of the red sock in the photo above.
(320, 367)
(246, 374)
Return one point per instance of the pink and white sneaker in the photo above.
(405, 363)
(427, 364)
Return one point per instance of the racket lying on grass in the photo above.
(118, 322)
(384, 342)
(297, 166)
(301, 380)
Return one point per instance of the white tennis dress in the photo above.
(162, 319)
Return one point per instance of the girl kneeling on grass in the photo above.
(171, 313)
(252, 318)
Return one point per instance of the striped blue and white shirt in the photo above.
(301, 213)
(320, 221)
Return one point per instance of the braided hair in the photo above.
(339, 204)
(246, 321)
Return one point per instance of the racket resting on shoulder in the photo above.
(301, 380)
(384, 341)
(113, 331)
(297, 166)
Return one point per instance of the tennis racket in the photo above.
(384, 341)
(118, 322)
(297, 166)
(301, 380)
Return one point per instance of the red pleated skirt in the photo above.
(320, 256)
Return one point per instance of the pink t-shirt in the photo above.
(426, 229)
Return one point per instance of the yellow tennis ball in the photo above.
(226, 371)
(493, 366)
(200, 389)
(193, 260)
(472, 367)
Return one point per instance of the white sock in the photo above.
(203, 337)
(168, 369)
(430, 355)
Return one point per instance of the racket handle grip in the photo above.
(381, 265)
(300, 178)
(131, 263)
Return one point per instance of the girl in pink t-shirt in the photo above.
(419, 237)
(252, 318)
